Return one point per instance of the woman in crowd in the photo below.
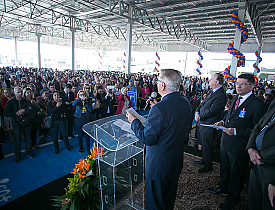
(144, 95)
(56, 109)
(82, 116)
(107, 101)
(28, 94)
(42, 102)
(123, 101)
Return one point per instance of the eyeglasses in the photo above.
(242, 84)
(87, 88)
(81, 94)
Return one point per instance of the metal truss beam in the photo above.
(56, 19)
(159, 23)
(254, 20)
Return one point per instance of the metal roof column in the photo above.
(257, 61)
(237, 41)
(38, 35)
(16, 52)
(129, 42)
(72, 47)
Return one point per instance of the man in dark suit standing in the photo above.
(67, 99)
(261, 149)
(209, 112)
(168, 126)
(244, 113)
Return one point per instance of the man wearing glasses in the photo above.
(167, 128)
(244, 113)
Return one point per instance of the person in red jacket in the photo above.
(123, 102)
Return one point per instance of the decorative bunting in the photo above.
(156, 62)
(236, 53)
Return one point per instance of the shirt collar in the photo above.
(244, 97)
(214, 90)
(166, 95)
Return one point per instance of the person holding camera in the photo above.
(67, 99)
(57, 109)
(123, 101)
(107, 101)
(28, 94)
(18, 109)
(83, 112)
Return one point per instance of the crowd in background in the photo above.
(79, 97)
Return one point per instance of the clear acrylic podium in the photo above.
(121, 166)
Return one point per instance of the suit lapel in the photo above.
(267, 119)
(247, 101)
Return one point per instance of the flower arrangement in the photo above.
(82, 190)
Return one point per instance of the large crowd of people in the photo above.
(74, 98)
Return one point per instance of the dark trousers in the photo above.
(80, 132)
(61, 126)
(70, 119)
(233, 169)
(18, 133)
(1, 153)
(34, 127)
(207, 147)
(258, 187)
(160, 195)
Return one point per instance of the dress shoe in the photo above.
(72, 136)
(81, 150)
(205, 169)
(56, 151)
(17, 159)
(36, 146)
(70, 148)
(216, 190)
(198, 162)
(31, 155)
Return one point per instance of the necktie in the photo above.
(259, 138)
(68, 96)
(237, 102)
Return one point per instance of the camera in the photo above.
(63, 115)
(60, 100)
(91, 99)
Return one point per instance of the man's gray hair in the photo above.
(171, 78)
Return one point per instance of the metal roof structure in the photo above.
(171, 25)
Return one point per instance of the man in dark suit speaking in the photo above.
(168, 126)
(261, 149)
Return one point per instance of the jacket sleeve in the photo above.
(268, 155)
(89, 106)
(216, 107)
(51, 109)
(8, 112)
(149, 134)
(76, 101)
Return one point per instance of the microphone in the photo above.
(153, 96)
